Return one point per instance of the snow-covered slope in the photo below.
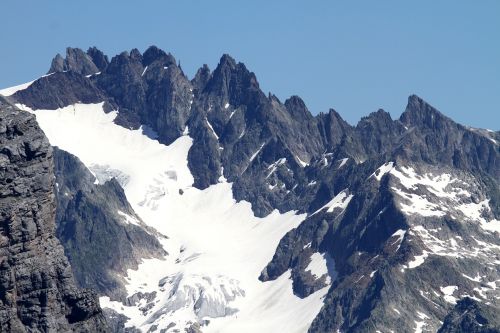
(403, 214)
(217, 247)
(12, 90)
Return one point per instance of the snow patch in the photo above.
(212, 129)
(302, 163)
(438, 195)
(273, 167)
(417, 261)
(12, 90)
(475, 211)
(420, 324)
(342, 162)
(341, 200)
(400, 234)
(95, 74)
(104, 173)
(439, 185)
(382, 170)
(418, 204)
(448, 294)
(475, 279)
(322, 265)
(254, 155)
(128, 219)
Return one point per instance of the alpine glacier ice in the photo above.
(216, 246)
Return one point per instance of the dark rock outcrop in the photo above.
(99, 59)
(59, 90)
(149, 89)
(78, 61)
(37, 290)
(434, 138)
(470, 316)
(101, 234)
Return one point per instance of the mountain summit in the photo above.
(204, 204)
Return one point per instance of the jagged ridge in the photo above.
(240, 132)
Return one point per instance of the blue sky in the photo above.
(353, 56)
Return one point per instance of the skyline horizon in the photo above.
(350, 58)
(281, 99)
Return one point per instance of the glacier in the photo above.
(216, 246)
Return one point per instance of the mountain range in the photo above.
(135, 199)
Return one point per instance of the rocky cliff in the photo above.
(37, 291)
(100, 232)
(470, 316)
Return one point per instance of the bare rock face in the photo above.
(78, 61)
(471, 316)
(93, 226)
(59, 90)
(37, 290)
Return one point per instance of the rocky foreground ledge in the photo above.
(37, 290)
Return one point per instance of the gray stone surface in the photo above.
(470, 316)
(78, 61)
(99, 241)
(37, 290)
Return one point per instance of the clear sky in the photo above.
(353, 56)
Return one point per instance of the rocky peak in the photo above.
(153, 54)
(378, 133)
(437, 139)
(201, 78)
(136, 55)
(273, 98)
(59, 90)
(126, 65)
(57, 64)
(419, 113)
(98, 58)
(378, 118)
(149, 89)
(226, 61)
(233, 82)
(138, 68)
(332, 128)
(297, 108)
(333, 115)
(76, 60)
